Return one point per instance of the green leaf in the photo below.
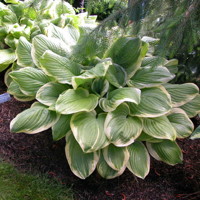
(23, 53)
(181, 123)
(192, 108)
(154, 102)
(41, 43)
(49, 93)
(88, 131)
(33, 120)
(159, 127)
(139, 161)
(150, 40)
(116, 75)
(196, 134)
(96, 72)
(126, 52)
(82, 164)
(100, 86)
(150, 77)
(69, 35)
(61, 127)
(63, 7)
(116, 157)
(172, 65)
(121, 129)
(59, 67)
(7, 57)
(166, 151)
(106, 171)
(182, 93)
(29, 80)
(73, 101)
(119, 96)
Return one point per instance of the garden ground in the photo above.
(39, 154)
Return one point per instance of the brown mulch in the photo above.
(39, 154)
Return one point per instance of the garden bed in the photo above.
(38, 153)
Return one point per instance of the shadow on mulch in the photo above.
(38, 153)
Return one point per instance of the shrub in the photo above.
(114, 110)
(31, 18)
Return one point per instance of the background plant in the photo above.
(30, 18)
(107, 104)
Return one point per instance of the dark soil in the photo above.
(39, 154)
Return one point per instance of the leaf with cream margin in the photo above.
(73, 101)
(42, 43)
(34, 120)
(49, 93)
(29, 79)
(159, 127)
(82, 164)
(88, 130)
(181, 123)
(119, 96)
(150, 76)
(154, 102)
(139, 161)
(23, 53)
(7, 57)
(192, 108)
(100, 86)
(106, 171)
(121, 129)
(59, 67)
(181, 93)
(96, 72)
(166, 151)
(116, 157)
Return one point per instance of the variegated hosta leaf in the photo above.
(61, 127)
(150, 77)
(7, 78)
(182, 93)
(89, 131)
(59, 67)
(166, 151)
(139, 161)
(196, 133)
(14, 89)
(181, 122)
(82, 164)
(29, 79)
(154, 102)
(119, 96)
(153, 61)
(49, 93)
(192, 108)
(96, 72)
(121, 129)
(172, 65)
(159, 127)
(116, 75)
(69, 35)
(116, 157)
(73, 101)
(33, 120)
(7, 56)
(41, 43)
(23, 53)
(126, 52)
(147, 138)
(100, 86)
(106, 171)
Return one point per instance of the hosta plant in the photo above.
(30, 18)
(114, 110)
